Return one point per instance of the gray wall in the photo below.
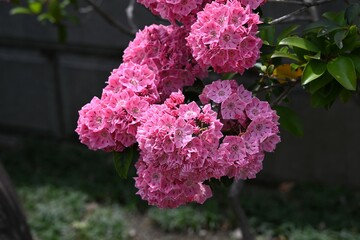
(43, 84)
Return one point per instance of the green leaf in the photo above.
(339, 37)
(327, 95)
(35, 7)
(343, 70)
(46, 16)
(54, 10)
(316, 26)
(287, 32)
(278, 54)
(313, 70)
(20, 10)
(352, 13)
(321, 82)
(289, 120)
(316, 56)
(122, 161)
(337, 17)
(356, 61)
(300, 43)
(267, 33)
(328, 29)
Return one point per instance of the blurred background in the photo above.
(309, 188)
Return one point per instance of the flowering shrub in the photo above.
(183, 145)
(225, 130)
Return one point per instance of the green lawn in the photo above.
(69, 192)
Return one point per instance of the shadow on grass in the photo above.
(39, 162)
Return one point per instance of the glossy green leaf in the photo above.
(329, 29)
(20, 10)
(321, 82)
(278, 54)
(300, 43)
(290, 121)
(339, 37)
(35, 7)
(343, 70)
(122, 161)
(313, 70)
(316, 56)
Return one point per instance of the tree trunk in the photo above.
(13, 224)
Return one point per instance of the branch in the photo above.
(109, 19)
(243, 223)
(300, 10)
(287, 1)
(282, 96)
(130, 16)
(277, 85)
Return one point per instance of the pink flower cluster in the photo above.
(250, 126)
(252, 3)
(178, 151)
(175, 10)
(110, 123)
(223, 37)
(163, 49)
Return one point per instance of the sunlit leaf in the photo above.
(300, 43)
(35, 7)
(313, 70)
(20, 10)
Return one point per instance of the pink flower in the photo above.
(175, 10)
(236, 147)
(218, 91)
(232, 107)
(163, 50)
(223, 37)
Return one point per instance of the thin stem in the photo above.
(277, 85)
(300, 10)
(288, 1)
(109, 19)
(282, 96)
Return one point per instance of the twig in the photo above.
(130, 16)
(109, 19)
(282, 96)
(292, 14)
(239, 212)
(288, 1)
(266, 88)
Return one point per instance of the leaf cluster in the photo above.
(52, 11)
(327, 53)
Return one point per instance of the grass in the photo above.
(72, 193)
